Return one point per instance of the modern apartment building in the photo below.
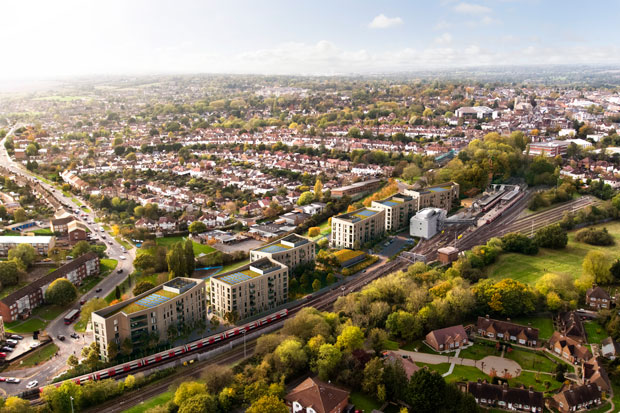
(357, 190)
(439, 196)
(20, 303)
(292, 250)
(176, 302)
(354, 229)
(398, 209)
(41, 243)
(256, 287)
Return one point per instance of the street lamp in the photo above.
(342, 289)
(71, 398)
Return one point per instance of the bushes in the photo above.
(595, 236)
(358, 267)
(515, 242)
(552, 236)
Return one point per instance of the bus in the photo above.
(72, 316)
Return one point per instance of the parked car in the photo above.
(83, 301)
(34, 344)
(75, 335)
(122, 257)
(120, 270)
(2, 355)
(15, 337)
(32, 384)
(60, 337)
(12, 342)
(2, 379)
(7, 349)
(98, 290)
(12, 380)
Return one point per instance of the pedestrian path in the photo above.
(451, 369)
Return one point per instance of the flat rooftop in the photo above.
(17, 239)
(359, 215)
(286, 243)
(150, 301)
(253, 270)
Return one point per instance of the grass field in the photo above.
(22, 327)
(418, 345)
(440, 368)
(325, 229)
(49, 312)
(362, 402)
(596, 333)
(528, 269)
(41, 355)
(198, 248)
(234, 265)
(530, 360)
(158, 400)
(124, 243)
(479, 351)
(106, 266)
(43, 231)
(543, 324)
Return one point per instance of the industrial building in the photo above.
(180, 301)
(354, 229)
(427, 222)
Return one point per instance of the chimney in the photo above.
(487, 316)
(531, 389)
(507, 318)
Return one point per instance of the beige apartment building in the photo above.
(438, 196)
(354, 229)
(398, 209)
(292, 251)
(256, 287)
(174, 303)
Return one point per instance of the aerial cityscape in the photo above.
(273, 207)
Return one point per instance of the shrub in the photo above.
(595, 236)
(515, 242)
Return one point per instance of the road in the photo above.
(44, 373)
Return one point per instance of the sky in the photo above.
(43, 39)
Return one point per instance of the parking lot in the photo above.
(19, 349)
(394, 245)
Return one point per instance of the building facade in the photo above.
(354, 229)
(356, 190)
(41, 243)
(504, 397)
(442, 196)
(427, 222)
(259, 286)
(507, 331)
(448, 339)
(21, 302)
(292, 251)
(398, 211)
(180, 301)
(597, 298)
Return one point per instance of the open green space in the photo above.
(542, 323)
(325, 229)
(595, 332)
(158, 400)
(440, 368)
(391, 345)
(528, 269)
(106, 266)
(39, 356)
(479, 351)
(22, 327)
(124, 243)
(48, 312)
(531, 360)
(198, 248)
(364, 402)
(419, 346)
(43, 231)
(234, 265)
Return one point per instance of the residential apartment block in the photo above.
(398, 211)
(439, 196)
(259, 286)
(41, 243)
(174, 303)
(354, 229)
(357, 190)
(21, 302)
(292, 251)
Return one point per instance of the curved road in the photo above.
(46, 372)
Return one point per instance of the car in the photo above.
(32, 384)
(2, 355)
(60, 337)
(75, 335)
(69, 257)
(2, 379)
(124, 249)
(120, 270)
(98, 290)
(7, 349)
(15, 337)
(12, 380)
(122, 257)
(34, 344)
(83, 301)
(12, 342)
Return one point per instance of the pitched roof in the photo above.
(444, 334)
(575, 348)
(507, 327)
(597, 292)
(571, 325)
(514, 395)
(321, 396)
(581, 394)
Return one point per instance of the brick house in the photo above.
(597, 298)
(505, 330)
(316, 396)
(569, 349)
(447, 339)
(504, 397)
(577, 398)
(77, 231)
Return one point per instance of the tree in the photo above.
(377, 339)
(200, 403)
(217, 377)
(80, 248)
(316, 285)
(188, 389)
(596, 265)
(424, 391)
(14, 404)
(20, 215)
(615, 270)
(142, 287)
(117, 292)
(373, 376)
(127, 347)
(552, 236)
(60, 292)
(9, 273)
(291, 355)
(112, 350)
(515, 242)
(190, 260)
(314, 231)
(305, 198)
(197, 227)
(177, 265)
(145, 260)
(507, 297)
(72, 361)
(411, 171)
(351, 338)
(318, 190)
(25, 253)
(328, 361)
(268, 404)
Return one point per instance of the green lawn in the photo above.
(87, 284)
(479, 351)
(418, 345)
(391, 345)
(531, 360)
(234, 265)
(596, 333)
(466, 373)
(325, 229)
(158, 400)
(198, 248)
(106, 266)
(543, 324)
(363, 402)
(79, 326)
(43, 231)
(440, 368)
(41, 355)
(124, 243)
(49, 312)
(22, 327)
(528, 269)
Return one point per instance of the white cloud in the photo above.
(442, 25)
(470, 8)
(383, 22)
(445, 38)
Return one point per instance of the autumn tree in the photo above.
(268, 404)
(60, 292)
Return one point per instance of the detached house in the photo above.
(316, 396)
(568, 348)
(597, 298)
(577, 398)
(570, 325)
(610, 348)
(596, 374)
(504, 397)
(505, 330)
(447, 339)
